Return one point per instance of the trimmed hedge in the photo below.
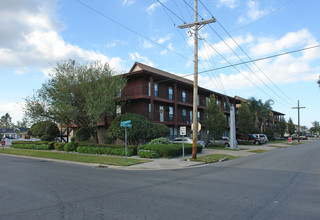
(105, 150)
(29, 142)
(147, 154)
(32, 146)
(134, 148)
(70, 147)
(59, 146)
(170, 150)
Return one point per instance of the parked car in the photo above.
(225, 141)
(260, 138)
(250, 139)
(302, 137)
(187, 140)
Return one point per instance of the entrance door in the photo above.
(161, 110)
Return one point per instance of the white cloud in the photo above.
(291, 39)
(290, 68)
(137, 57)
(147, 44)
(207, 51)
(128, 2)
(15, 110)
(228, 3)
(153, 6)
(161, 40)
(253, 12)
(29, 37)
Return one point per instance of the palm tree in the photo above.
(261, 112)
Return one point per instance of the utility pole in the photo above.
(298, 119)
(196, 26)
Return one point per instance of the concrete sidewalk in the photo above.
(177, 163)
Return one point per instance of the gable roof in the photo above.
(140, 67)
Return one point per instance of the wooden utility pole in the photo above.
(196, 26)
(298, 119)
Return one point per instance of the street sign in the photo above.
(125, 122)
(183, 130)
(126, 125)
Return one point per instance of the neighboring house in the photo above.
(13, 133)
(166, 98)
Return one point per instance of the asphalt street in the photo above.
(280, 184)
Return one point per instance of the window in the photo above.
(184, 96)
(156, 90)
(149, 89)
(118, 110)
(170, 113)
(170, 93)
(191, 118)
(225, 106)
(184, 115)
(207, 101)
(198, 116)
(149, 111)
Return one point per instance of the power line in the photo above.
(129, 29)
(242, 61)
(263, 58)
(251, 60)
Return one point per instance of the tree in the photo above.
(245, 120)
(79, 94)
(6, 121)
(318, 81)
(141, 130)
(291, 127)
(282, 127)
(261, 112)
(215, 120)
(315, 129)
(42, 128)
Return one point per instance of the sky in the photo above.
(36, 34)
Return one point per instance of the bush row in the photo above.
(166, 150)
(105, 150)
(88, 148)
(32, 146)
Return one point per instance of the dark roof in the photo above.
(138, 68)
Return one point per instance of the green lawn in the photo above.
(213, 158)
(257, 151)
(105, 160)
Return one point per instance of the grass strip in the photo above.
(258, 151)
(213, 158)
(106, 160)
(222, 148)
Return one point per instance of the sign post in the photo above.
(183, 132)
(126, 124)
(3, 143)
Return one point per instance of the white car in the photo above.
(187, 140)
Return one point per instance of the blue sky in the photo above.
(36, 34)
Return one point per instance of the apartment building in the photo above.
(166, 98)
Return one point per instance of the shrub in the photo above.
(147, 154)
(29, 142)
(59, 146)
(32, 146)
(82, 134)
(105, 150)
(46, 138)
(70, 147)
(169, 150)
(160, 141)
(51, 145)
(270, 134)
